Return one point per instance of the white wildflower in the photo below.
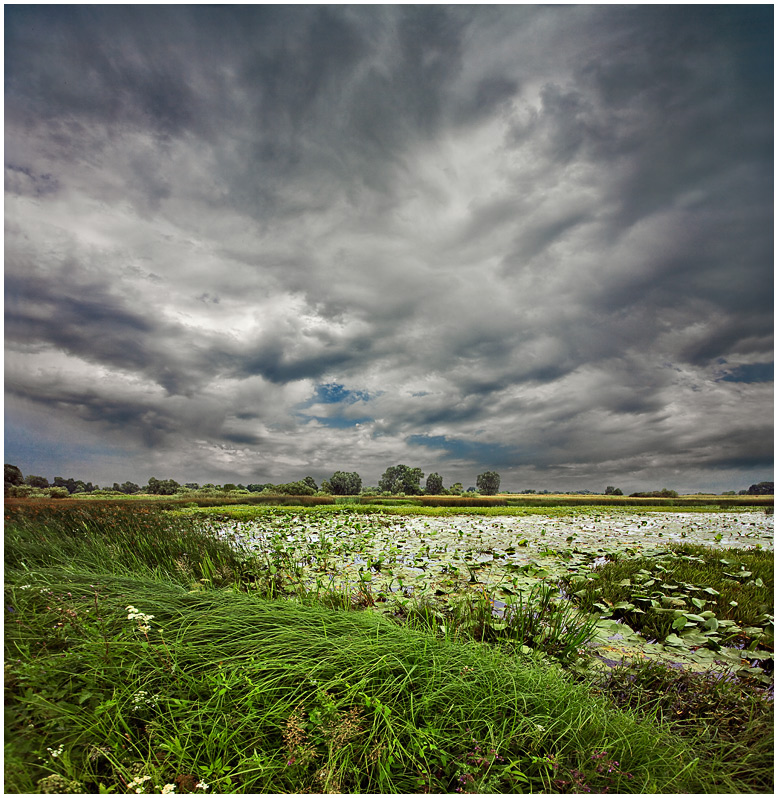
(201, 785)
(141, 617)
(55, 752)
(137, 784)
(142, 698)
(167, 789)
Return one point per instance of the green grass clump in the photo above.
(249, 695)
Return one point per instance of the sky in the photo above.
(254, 243)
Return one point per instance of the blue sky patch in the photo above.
(333, 393)
(330, 393)
(750, 372)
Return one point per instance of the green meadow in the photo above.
(352, 649)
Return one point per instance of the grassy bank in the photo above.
(502, 504)
(134, 662)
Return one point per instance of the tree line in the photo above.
(397, 480)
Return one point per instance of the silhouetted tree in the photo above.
(345, 483)
(434, 484)
(162, 487)
(126, 487)
(488, 483)
(13, 475)
(401, 479)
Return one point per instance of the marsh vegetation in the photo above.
(273, 650)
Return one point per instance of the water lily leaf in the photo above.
(704, 656)
(674, 640)
(711, 624)
(711, 592)
(679, 623)
(699, 603)
(694, 638)
(761, 656)
(673, 601)
(625, 583)
(696, 618)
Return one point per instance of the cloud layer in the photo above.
(254, 243)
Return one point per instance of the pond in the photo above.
(437, 558)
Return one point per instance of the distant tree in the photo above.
(456, 489)
(162, 487)
(401, 479)
(36, 482)
(13, 475)
(488, 483)
(762, 489)
(126, 487)
(58, 493)
(229, 487)
(345, 483)
(665, 493)
(434, 484)
(191, 486)
(611, 491)
(311, 482)
(257, 487)
(74, 485)
(299, 488)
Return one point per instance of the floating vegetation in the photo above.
(675, 587)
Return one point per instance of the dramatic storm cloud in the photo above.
(250, 243)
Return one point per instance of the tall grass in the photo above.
(258, 696)
(119, 538)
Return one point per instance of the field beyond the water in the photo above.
(319, 650)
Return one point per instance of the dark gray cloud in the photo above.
(247, 243)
